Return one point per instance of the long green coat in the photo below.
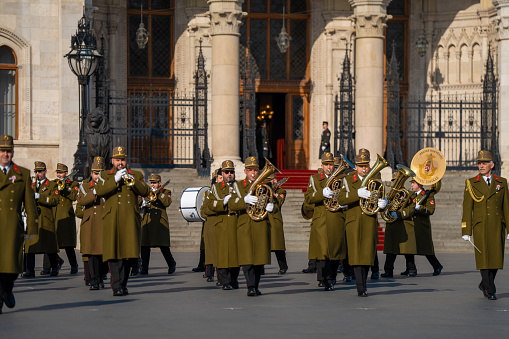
(253, 236)
(15, 195)
(327, 236)
(48, 198)
(65, 220)
(277, 234)
(121, 214)
(155, 229)
(209, 233)
(361, 229)
(486, 220)
(225, 226)
(90, 206)
(399, 235)
(422, 225)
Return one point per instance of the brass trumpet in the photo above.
(152, 196)
(375, 186)
(61, 182)
(128, 178)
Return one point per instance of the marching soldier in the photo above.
(209, 234)
(227, 261)
(253, 236)
(86, 270)
(307, 213)
(120, 187)
(327, 236)
(277, 234)
(46, 196)
(155, 229)
(325, 142)
(485, 216)
(91, 229)
(65, 220)
(15, 195)
(400, 238)
(361, 229)
(422, 225)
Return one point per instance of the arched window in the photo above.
(8, 91)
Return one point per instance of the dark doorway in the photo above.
(271, 107)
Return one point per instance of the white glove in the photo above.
(225, 200)
(382, 203)
(323, 148)
(466, 237)
(93, 191)
(153, 189)
(119, 174)
(145, 203)
(417, 206)
(270, 207)
(343, 206)
(250, 199)
(36, 196)
(507, 236)
(327, 192)
(363, 193)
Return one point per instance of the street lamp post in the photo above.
(83, 59)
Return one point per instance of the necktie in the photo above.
(5, 170)
(488, 180)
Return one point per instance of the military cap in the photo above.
(61, 168)
(6, 142)
(327, 158)
(227, 165)
(119, 152)
(326, 123)
(363, 157)
(214, 174)
(154, 177)
(219, 171)
(39, 166)
(484, 156)
(251, 162)
(98, 164)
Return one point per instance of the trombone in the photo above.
(152, 196)
(61, 182)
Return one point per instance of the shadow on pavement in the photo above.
(91, 303)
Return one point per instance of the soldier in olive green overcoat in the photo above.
(121, 218)
(46, 195)
(327, 236)
(422, 224)
(15, 195)
(227, 261)
(155, 229)
(209, 233)
(485, 216)
(253, 236)
(361, 228)
(400, 237)
(277, 234)
(90, 206)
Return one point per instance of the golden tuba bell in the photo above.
(334, 184)
(397, 195)
(264, 193)
(61, 182)
(375, 186)
(152, 196)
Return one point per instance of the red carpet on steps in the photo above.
(299, 179)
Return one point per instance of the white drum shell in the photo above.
(190, 203)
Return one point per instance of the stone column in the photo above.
(502, 7)
(225, 18)
(369, 17)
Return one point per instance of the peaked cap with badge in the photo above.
(119, 152)
(98, 164)
(6, 143)
(484, 156)
(154, 177)
(227, 165)
(61, 168)
(39, 166)
(363, 158)
(327, 158)
(251, 162)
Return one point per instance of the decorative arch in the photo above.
(22, 49)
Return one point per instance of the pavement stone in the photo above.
(184, 305)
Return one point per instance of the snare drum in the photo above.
(191, 201)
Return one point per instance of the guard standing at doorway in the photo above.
(325, 142)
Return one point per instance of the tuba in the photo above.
(397, 195)
(61, 182)
(264, 193)
(334, 184)
(152, 196)
(375, 186)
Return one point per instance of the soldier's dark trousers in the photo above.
(281, 259)
(201, 262)
(347, 268)
(228, 275)
(7, 283)
(376, 266)
(432, 259)
(327, 270)
(391, 258)
(120, 270)
(94, 266)
(488, 280)
(145, 257)
(209, 271)
(71, 256)
(252, 273)
(361, 275)
(311, 264)
(30, 261)
(86, 270)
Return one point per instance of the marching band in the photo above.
(122, 217)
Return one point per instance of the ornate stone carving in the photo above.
(370, 26)
(226, 22)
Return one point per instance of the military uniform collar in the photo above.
(6, 167)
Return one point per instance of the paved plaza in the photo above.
(184, 305)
